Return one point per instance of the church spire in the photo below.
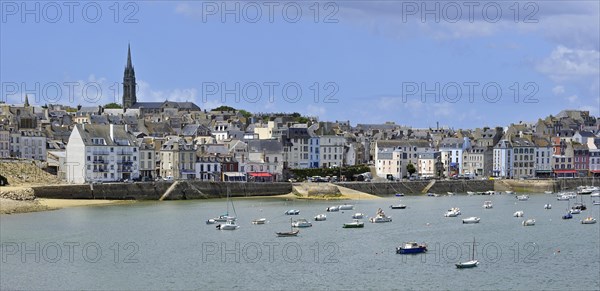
(129, 56)
(129, 85)
(26, 101)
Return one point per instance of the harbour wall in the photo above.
(181, 190)
(156, 190)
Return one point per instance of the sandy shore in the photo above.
(8, 206)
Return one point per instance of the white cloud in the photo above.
(573, 98)
(314, 110)
(146, 94)
(558, 90)
(567, 64)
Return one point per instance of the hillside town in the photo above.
(146, 141)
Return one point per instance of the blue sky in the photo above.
(370, 65)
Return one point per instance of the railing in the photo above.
(100, 153)
(100, 162)
(124, 153)
(124, 170)
(125, 162)
(99, 170)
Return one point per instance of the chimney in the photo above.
(112, 132)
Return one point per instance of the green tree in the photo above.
(224, 108)
(410, 168)
(112, 106)
(245, 113)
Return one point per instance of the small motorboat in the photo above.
(321, 217)
(411, 248)
(229, 225)
(433, 195)
(588, 220)
(450, 193)
(596, 202)
(452, 212)
(470, 193)
(346, 207)
(211, 221)
(575, 211)
(563, 198)
(509, 192)
(354, 224)
(380, 217)
(301, 222)
(579, 206)
(259, 221)
(548, 206)
(595, 194)
(519, 213)
(398, 206)
(292, 212)
(333, 209)
(547, 192)
(487, 204)
(358, 215)
(523, 197)
(399, 194)
(567, 215)
(471, 219)
(529, 222)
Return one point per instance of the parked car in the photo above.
(168, 178)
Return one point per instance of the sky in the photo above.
(460, 64)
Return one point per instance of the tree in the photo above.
(245, 113)
(112, 106)
(224, 108)
(410, 168)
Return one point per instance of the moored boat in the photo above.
(567, 215)
(358, 215)
(399, 194)
(575, 211)
(523, 197)
(519, 213)
(411, 248)
(301, 222)
(321, 217)
(229, 225)
(354, 224)
(380, 217)
(333, 209)
(346, 207)
(292, 232)
(469, 264)
(471, 219)
(509, 192)
(398, 206)
(470, 193)
(487, 204)
(452, 212)
(292, 212)
(548, 206)
(588, 220)
(259, 221)
(529, 222)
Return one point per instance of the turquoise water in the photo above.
(167, 245)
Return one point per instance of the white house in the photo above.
(101, 153)
(503, 160)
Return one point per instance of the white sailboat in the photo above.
(224, 217)
(469, 264)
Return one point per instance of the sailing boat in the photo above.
(224, 217)
(292, 232)
(470, 264)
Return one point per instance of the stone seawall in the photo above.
(418, 187)
(155, 190)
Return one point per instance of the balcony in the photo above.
(125, 169)
(100, 162)
(100, 153)
(124, 153)
(125, 162)
(101, 170)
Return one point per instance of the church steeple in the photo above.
(129, 97)
(26, 101)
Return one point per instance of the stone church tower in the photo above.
(129, 88)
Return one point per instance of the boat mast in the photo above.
(473, 253)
